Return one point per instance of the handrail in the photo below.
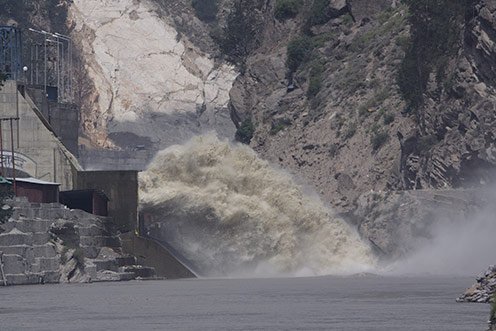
(181, 259)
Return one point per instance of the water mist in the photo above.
(462, 246)
(229, 213)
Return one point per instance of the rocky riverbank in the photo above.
(483, 290)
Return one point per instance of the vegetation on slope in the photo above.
(206, 10)
(22, 11)
(286, 9)
(240, 35)
(244, 134)
(436, 28)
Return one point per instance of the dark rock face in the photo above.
(457, 120)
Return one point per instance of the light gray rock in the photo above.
(483, 290)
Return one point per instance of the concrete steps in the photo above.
(30, 256)
(111, 276)
(139, 271)
(46, 277)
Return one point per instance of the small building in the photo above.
(36, 190)
(90, 200)
(121, 187)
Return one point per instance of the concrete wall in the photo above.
(39, 153)
(121, 187)
(115, 160)
(63, 117)
(150, 253)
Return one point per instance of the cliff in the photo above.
(363, 110)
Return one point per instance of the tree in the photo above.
(244, 134)
(240, 36)
(206, 10)
(436, 27)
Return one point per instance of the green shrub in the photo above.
(388, 118)
(276, 128)
(14, 8)
(206, 10)
(436, 32)
(57, 14)
(321, 39)
(299, 51)
(333, 150)
(240, 36)
(314, 86)
(379, 139)
(403, 42)
(287, 9)
(315, 80)
(244, 133)
(350, 131)
(318, 13)
(377, 100)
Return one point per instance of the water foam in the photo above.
(230, 213)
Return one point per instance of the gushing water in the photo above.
(232, 214)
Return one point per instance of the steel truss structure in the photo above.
(51, 64)
(11, 52)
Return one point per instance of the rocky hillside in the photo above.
(351, 96)
(372, 97)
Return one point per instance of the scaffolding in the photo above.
(11, 52)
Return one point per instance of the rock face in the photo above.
(355, 133)
(326, 138)
(459, 114)
(147, 84)
(483, 290)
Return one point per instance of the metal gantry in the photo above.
(11, 52)
(51, 64)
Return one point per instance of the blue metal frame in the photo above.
(11, 52)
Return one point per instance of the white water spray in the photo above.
(230, 213)
(462, 246)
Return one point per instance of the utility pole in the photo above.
(1, 150)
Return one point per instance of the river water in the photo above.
(323, 303)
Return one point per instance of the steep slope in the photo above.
(342, 137)
(327, 98)
(148, 85)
